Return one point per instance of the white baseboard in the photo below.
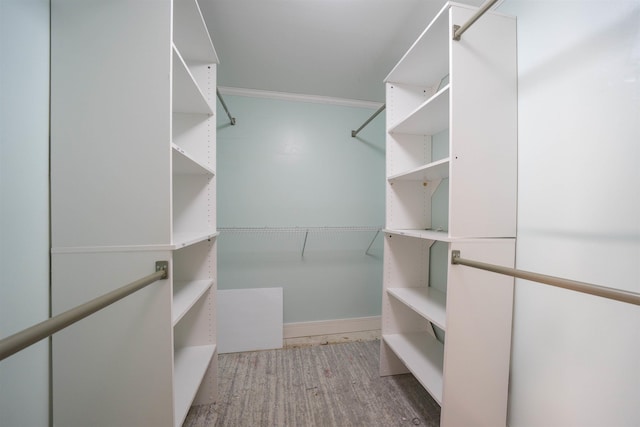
(328, 327)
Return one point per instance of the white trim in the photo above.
(105, 249)
(328, 327)
(298, 97)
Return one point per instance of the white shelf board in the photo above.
(428, 302)
(429, 172)
(185, 295)
(190, 33)
(423, 355)
(440, 236)
(189, 367)
(427, 60)
(187, 96)
(430, 118)
(184, 163)
(181, 240)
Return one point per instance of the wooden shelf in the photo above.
(181, 240)
(187, 96)
(428, 302)
(429, 172)
(427, 60)
(185, 295)
(430, 118)
(184, 163)
(190, 33)
(423, 355)
(190, 365)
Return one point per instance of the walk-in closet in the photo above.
(319, 213)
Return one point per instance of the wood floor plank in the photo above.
(327, 385)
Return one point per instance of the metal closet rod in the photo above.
(373, 116)
(23, 339)
(224, 105)
(586, 288)
(459, 30)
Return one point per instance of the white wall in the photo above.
(24, 205)
(576, 358)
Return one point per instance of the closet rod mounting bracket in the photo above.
(163, 266)
(453, 32)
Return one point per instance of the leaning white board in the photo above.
(249, 319)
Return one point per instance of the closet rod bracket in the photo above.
(163, 266)
(458, 30)
(453, 32)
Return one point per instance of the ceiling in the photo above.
(334, 48)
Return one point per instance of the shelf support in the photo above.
(459, 30)
(373, 116)
(586, 288)
(304, 244)
(224, 105)
(433, 186)
(371, 244)
(433, 329)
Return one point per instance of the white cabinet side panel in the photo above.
(110, 122)
(113, 367)
(483, 181)
(478, 341)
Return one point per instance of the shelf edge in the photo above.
(438, 296)
(423, 168)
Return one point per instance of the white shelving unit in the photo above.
(451, 178)
(133, 181)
